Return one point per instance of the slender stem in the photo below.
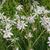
(38, 37)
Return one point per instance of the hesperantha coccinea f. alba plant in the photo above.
(28, 28)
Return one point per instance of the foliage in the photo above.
(40, 36)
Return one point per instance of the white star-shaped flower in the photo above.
(31, 19)
(19, 7)
(46, 23)
(7, 34)
(21, 25)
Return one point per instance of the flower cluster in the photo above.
(46, 22)
(7, 26)
(23, 23)
(41, 10)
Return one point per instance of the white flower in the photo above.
(8, 26)
(7, 23)
(29, 35)
(46, 23)
(35, 3)
(39, 10)
(46, 11)
(49, 38)
(4, 18)
(17, 17)
(21, 24)
(31, 19)
(23, 17)
(19, 7)
(34, 29)
(7, 34)
(1, 15)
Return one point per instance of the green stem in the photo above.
(38, 37)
